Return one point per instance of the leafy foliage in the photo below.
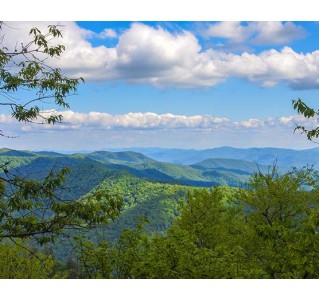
(25, 67)
(308, 112)
(158, 202)
(31, 208)
(267, 231)
(18, 262)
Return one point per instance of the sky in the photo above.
(176, 84)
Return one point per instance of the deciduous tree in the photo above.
(31, 208)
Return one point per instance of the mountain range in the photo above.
(203, 168)
(152, 183)
(267, 156)
(212, 171)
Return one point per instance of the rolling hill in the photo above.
(148, 187)
(84, 175)
(129, 157)
(89, 167)
(143, 167)
(267, 156)
(237, 166)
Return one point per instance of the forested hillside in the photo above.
(266, 231)
(217, 218)
(219, 172)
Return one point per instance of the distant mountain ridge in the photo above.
(116, 157)
(203, 174)
(10, 152)
(267, 156)
(218, 166)
(246, 167)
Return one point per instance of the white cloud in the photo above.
(107, 33)
(104, 130)
(152, 121)
(144, 54)
(251, 123)
(258, 33)
(271, 67)
(138, 120)
(233, 31)
(276, 33)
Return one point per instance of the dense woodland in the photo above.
(266, 228)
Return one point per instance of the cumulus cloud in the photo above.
(108, 33)
(153, 55)
(233, 31)
(94, 130)
(138, 120)
(256, 33)
(271, 67)
(152, 121)
(251, 123)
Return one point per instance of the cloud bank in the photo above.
(256, 33)
(93, 130)
(153, 121)
(153, 55)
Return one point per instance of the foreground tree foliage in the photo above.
(18, 262)
(266, 231)
(284, 217)
(25, 66)
(309, 113)
(31, 208)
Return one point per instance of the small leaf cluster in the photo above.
(308, 113)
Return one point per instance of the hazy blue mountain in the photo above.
(234, 165)
(266, 156)
(49, 153)
(22, 153)
(119, 157)
(202, 168)
(143, 167)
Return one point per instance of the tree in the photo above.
(205, 241)
(122, 259)
(17, 262)
(282, 213)
(308, 113)
(31, 208)
(269, 230)
(24, 66)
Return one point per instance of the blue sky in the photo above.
(179, 85)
